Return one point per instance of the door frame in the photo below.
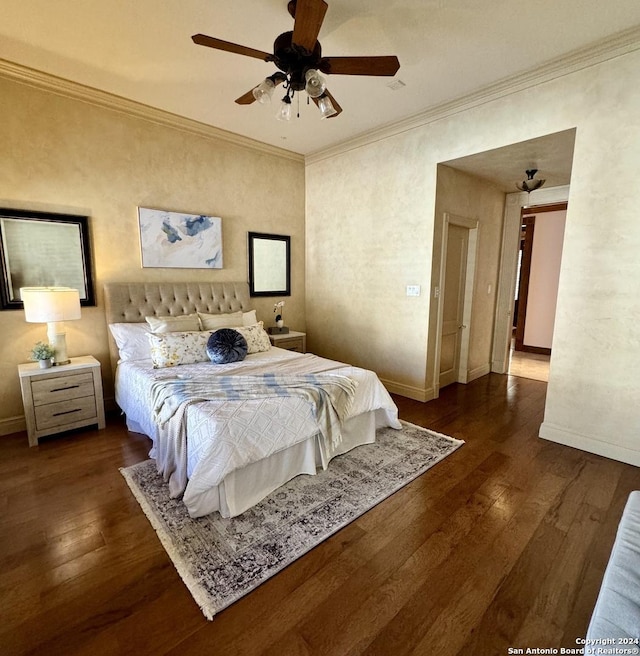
(503, 325)
(473, 226)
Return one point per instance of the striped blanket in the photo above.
(331, 396)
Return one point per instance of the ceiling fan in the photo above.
(298, 55)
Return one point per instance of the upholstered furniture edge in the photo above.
(616, 616)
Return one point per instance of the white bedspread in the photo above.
(225, 435)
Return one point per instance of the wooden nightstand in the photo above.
(61, 398)
(292, 341)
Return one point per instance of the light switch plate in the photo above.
(413, 290)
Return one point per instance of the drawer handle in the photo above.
(62, 389)
(66, 412)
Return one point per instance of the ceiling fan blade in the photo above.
(309, 15)
(219, 44)
(360, 65)
(334, 102)
(247, 98)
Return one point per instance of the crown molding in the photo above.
(38, 79)
(620, 44)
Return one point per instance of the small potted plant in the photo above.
(43, 353)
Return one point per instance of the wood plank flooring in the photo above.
(503, 544)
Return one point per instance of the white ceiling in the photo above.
(447, 49)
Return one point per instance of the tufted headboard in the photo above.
(131, 302)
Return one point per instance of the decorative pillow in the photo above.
(249, 318)
(228, 320)
(215, 321)
(183, 323)
(226, 345)
(256, 336)
(132, 340)
(172, 349)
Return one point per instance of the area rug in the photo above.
(221, 560)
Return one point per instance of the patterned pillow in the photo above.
(256, 336)
(172, 349)
(226, 345)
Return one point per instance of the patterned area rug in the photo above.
(221, 560)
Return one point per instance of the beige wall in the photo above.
(370, 225)
(61, 154)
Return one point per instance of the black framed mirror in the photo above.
(269, 264)
(43, 249)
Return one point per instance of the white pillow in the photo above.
(183, 323)
(249, 318)
(215, 321)
(172, 349)
(256, 336)
(132, 340)
(228, 320)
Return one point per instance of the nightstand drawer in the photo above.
(66, 412)
(291, 341)
(292, 344)
(51, 390)
(66, 397)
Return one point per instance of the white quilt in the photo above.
(225, 435)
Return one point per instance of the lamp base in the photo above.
(58, 339)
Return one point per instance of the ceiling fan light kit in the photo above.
(530, 184)
(263, 92)
(284, 111)
(298, 54)
(327, 110)
(315, 84)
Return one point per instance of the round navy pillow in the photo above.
(226, 345)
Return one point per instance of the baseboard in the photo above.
(540, 350)
(589, 443)
(478, 372)
(13, 425)
(415, 393)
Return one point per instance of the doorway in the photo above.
(453, 304)
(512, 234)
(457, 272)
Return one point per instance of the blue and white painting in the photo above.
(172, 239)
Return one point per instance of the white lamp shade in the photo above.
(45, 304)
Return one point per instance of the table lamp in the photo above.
(53, 306)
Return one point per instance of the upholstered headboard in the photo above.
(131, 302)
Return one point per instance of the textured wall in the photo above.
(370, 226)
(61, 154)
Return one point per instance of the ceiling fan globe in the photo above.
(316, 85)
(263, 92)
(326, 107)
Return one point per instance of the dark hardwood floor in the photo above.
(503, 544)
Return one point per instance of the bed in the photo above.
(236, 448)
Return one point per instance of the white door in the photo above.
(453, 303)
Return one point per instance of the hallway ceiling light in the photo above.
(530, 184)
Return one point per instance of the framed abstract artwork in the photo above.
(178, 240)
